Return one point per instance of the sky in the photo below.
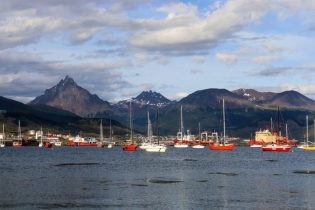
(119, 48)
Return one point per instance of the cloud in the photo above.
(196, 71)
(141, 59)
(146, 86)
(183, 30)
(273, 48)
(29, 75)
(199, 59)
(266, 59)
(301, 88)
(228, 59)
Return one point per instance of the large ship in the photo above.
(267, 137)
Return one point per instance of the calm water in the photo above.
(99, 178)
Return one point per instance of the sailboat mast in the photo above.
(278, 129)
(199, 133)
(306, 128)
(181, 122)
(157, 126)
(19, 132)
(110, 130)
(314, 129)
(223, 122)
(130, 123)
(148, 132)
(101, 131)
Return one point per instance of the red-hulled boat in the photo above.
(276, 148)
(130, 147)
(17, 144)
(48, 144)
(222, 144)
(222, 147)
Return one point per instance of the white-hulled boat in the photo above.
(110, 144)
(147, 142)
(156, 147)
(180, 143)
(2, 144)
(198, 146)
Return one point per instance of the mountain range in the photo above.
(248, 109)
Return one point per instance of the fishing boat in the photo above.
(18, 143)
(2, 144)
(309, 146)
(129, 146)
(222, 144)
(276, 148)
(41, 138)
(100, 143)
(197, 144)
(79, 141)
(279, 143)
(110, 144)
(179, 142)
(156, 147)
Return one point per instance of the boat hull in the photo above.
(309, 148)
(276, 148)
(17, 144)
(48, 145)
(180, 145)
(157, 148)
(129, 148)
(198, 146)
(222, 147)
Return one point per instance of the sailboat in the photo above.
(129, 145)
(156, 147)
(18, 143)
(110, 145)
(41, 138)
(222, 144)
(198, 146)
(100, 143)
(180, 144)
(308, 145)
(2, 144)
(147, 142)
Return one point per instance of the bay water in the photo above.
(181, 178)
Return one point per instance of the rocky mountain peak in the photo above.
(69, 96)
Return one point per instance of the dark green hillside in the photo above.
(54, 120)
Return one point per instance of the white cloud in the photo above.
(301, 88)
(266, 59)
(198, 58)
(228, 59)
(141, 59)
(196, 71)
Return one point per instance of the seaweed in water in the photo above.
(78, 164)
(159, 181)
(227, 174)
(304, 172)
(140, 185)
(271, 160)
(190, 160)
